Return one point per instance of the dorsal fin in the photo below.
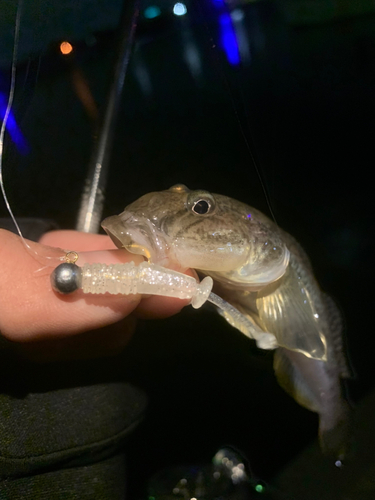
(336, 328)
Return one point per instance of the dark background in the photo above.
(302, 105)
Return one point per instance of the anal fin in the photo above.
(291, 380)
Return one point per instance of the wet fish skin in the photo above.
(261, 270)
(314, 383)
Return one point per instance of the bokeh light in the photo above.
(151, 12)
(179, 9)
(66, 48)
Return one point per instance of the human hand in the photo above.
(45, 325)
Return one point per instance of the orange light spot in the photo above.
(66, 48)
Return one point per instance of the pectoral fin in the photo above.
(289, 311)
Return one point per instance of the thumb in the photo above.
(30, 310)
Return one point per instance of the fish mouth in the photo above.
(137, 235)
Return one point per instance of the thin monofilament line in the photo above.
(7, 113)
(230, 92)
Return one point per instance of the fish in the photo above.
(263, 272)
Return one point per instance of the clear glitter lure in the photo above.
(150, 279)
(128, 279)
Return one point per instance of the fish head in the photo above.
(212, 233)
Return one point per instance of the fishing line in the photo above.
(6, 116)
(230, 92)
(45, 258)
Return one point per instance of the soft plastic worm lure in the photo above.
(151, 279)
(129, 279)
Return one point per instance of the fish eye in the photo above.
(201, 207)
(201, 203)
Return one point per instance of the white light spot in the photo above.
(237, 15)
(238, 473)
(316, 315)
(179, 9)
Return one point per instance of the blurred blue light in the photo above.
(218, 3)
(12, 127)
(151, 12)
(179, 9)
(229, 39)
